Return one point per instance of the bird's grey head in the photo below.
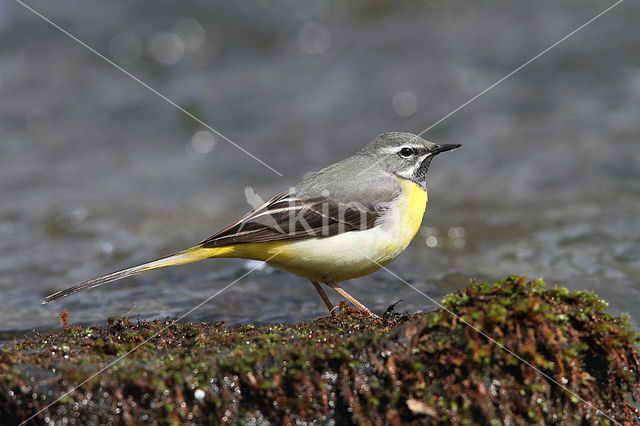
(405, 155)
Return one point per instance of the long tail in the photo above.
(187, 256)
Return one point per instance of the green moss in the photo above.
(348, 368)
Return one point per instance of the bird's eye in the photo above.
(406, 152)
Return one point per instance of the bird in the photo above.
(345, 221)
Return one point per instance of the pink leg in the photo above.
(325, 299)
(351, 299)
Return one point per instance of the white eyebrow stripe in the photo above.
(394, 149)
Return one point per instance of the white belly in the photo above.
(341, 257)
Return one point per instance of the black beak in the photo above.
(442, 148)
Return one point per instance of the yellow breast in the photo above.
(411, 208)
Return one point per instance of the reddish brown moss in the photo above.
(425, 368)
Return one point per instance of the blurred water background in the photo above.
(97, 173)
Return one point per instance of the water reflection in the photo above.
(125, 47)
(38, 120)
(97, 174)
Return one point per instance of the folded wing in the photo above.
(287, 217)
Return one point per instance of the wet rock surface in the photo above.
(434, 367)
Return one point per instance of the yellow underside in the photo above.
(340, 257)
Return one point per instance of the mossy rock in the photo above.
(505, 352)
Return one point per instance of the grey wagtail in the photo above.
(343, 222)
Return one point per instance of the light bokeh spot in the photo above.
(456, 232)
(166, 48)
(314, 38)
(202, 143)
(191, 33)
(404, 104)
(199, 394)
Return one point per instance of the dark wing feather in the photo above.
(286, 217)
